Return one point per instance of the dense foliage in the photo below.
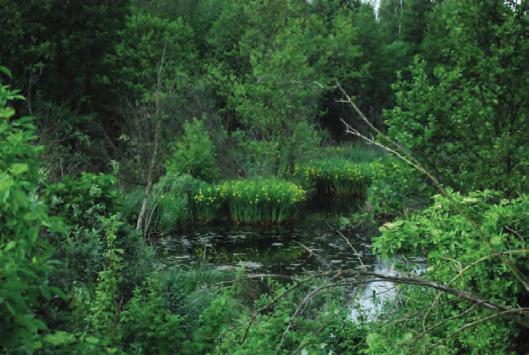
(159, 116)
(335, 177)
(261, 200)
(24, 254)
(480, 252)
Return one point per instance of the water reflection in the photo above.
(286, 250)
(370, 301)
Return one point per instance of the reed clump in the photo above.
(335, 177)
(262, 201)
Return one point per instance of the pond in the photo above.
(285, 250)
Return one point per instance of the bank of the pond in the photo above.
(178, 201)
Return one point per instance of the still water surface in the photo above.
(287, 250)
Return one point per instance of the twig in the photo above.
(364, 267)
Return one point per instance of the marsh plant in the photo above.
(335, 177)
(208, 203)
(260, 200)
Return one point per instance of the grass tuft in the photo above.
(262, 201)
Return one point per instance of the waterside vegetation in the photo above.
(122, 123)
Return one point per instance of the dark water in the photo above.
(285, 250)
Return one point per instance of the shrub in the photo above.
(147, 325)
(463, 239)
(318, 330)
(81, 202)
(261, 200)
(335, 177)
(396, 189)
(194, 153)
(178, 311)
(24, 252)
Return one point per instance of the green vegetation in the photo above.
(484, 238)
(335, 177)
(181, 200)
(24, 255)
(261, 200)
(194, 153)
(156, 116)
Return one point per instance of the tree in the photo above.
(57, 49)
(468, 98)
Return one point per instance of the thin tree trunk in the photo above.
(154, 158)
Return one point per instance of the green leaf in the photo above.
(18, 169)
(496, 240)
(6, 71)
(7, 112)
(10, 245)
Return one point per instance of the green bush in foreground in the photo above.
(477, 251)
(190, 312)
(335, 177)
(81, 202)
(24, 253)
(261, 200)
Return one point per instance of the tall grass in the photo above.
(182, 200)
(335, 177)
(261, 201)
(354, 152)
(208, 203)
(171, 205)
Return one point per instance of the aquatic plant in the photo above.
(171, 204)
(207, 203)
(334, 177)
(261, 200)
(357, 153)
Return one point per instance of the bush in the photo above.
(318, 330)
(463, 239)
(147, 325)
(259, 200)
(194, 153)
(178, 311)
(335, 177)
(83, 203)
(189, 312)
(396, 189)
(24, 252)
